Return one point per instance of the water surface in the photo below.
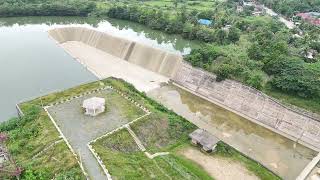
(283, 156)
(32, 64)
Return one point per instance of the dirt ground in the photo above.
(218, 167)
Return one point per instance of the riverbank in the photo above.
(49, 61)
(281, 155)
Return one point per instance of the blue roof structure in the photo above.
(206, 22)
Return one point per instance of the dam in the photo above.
(106, 55)
(148, 68)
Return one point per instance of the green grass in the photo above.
(162, 131)
(125, 161)
(126, 108)
(311, 104)
(260, 171)
(30, 137)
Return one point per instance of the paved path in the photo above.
(80, 129)
(270, 12)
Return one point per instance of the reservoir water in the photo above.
(33, 65)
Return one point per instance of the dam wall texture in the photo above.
(296, 124)
(148, 57)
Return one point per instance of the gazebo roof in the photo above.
(204, 138)
(93, 103)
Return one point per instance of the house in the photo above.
(311, 17)
(207, 141)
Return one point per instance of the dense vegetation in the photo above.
(258, 51)
(45, 8)
(182, 23)
(290, 7)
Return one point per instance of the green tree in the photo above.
(234, 34)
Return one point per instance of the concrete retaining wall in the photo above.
(293, 123)
(153, 59)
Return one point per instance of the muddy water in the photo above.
(281, 155)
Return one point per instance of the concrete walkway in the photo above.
(141, 146)
(136, 139)
(306, 171)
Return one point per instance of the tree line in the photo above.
(272, 57)
(291, 7)
(184, 23)
(9, 8)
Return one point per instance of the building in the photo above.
(94, 106)
(207, 141)
(311, 17)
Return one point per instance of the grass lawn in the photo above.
(124, 161)
(31, 135)
(162, 131)
(311, 104)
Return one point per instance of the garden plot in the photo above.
(79, 129)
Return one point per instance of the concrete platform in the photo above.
(104, 65)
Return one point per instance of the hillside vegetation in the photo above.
(258, 51)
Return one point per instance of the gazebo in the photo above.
(205, 139)
(94, 106)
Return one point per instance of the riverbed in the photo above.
(281, 155)
(32, 64)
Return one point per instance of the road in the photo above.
(270, 12)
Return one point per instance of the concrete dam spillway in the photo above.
(146, 68)
(150, 58)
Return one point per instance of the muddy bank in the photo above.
(283, 156)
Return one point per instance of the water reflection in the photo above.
(122, 28)
(276, 152)
(32, 64)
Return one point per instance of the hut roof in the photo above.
(204, 138)
(93, 103)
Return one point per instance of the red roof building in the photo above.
(310, 17)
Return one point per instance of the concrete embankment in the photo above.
(150, 58)
(296, 124)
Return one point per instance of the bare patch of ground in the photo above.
(218, 167)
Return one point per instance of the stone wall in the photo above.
(294, 123)
(148, 57)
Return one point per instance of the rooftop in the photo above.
(204, 138)
(94, 103)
